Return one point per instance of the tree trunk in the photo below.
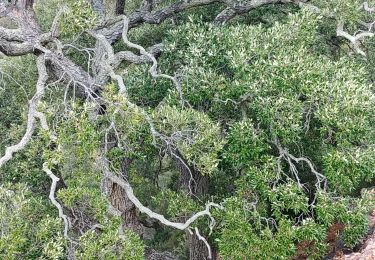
(120, 201)
(120, 6)
(192, 181)
(197, 249)
(114, 7)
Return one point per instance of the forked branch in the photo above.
(153, 69)
(181, 226)
(291, 159)
(355, 40)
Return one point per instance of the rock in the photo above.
(367, 252)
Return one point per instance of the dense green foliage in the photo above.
(28, 226)
(258, 97)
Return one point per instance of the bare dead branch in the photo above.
(354, 40)
(143, 15)
(55, 179)
(11, 34)
(32, 114)
(225, 15)
(129, 192)
(284, 154)
(153, 68)
(240, 7)
(113, 30)
(367, 8)
(200, 237)
(129, 56)
(66, 70)
(55, 24)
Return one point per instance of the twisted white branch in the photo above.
(108, 65)
(181, 226)
(153, 68)
(367, 8)
(55, 179)
(204, 240)
(354, 40)
(32, 114)
(284, 153)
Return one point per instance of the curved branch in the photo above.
(129, 192)
(66, 70)
(11, 34)
(114, 31)
(238, 7)
(15, 43)
(354, 40)
(204, 240)
(367, 8)
(153, 69)
(225, 15)
(129, 56)
(55, 179)
(284, 154)
(32, 114)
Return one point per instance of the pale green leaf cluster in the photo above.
(28, 226)
(193, 133)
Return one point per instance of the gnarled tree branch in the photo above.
(113, 31)
(367, 8)
(353, 39)
(32, 114)
(55, 179)
(129, 192)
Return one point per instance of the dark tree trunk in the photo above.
(120, 201)
(192, 181)
(197, 249)
(120, 6)
(24, 4)
(29, 3)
